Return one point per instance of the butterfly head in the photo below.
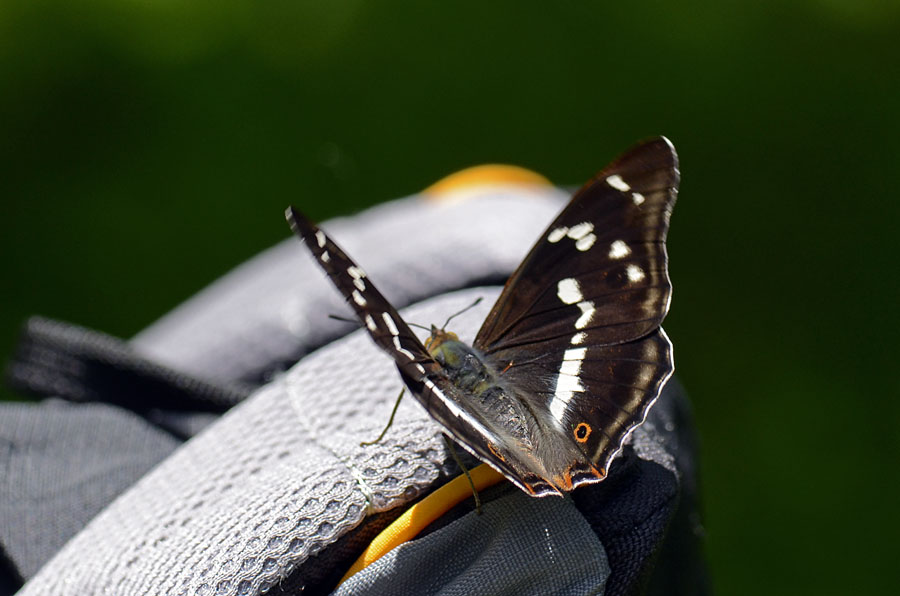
(436, 344)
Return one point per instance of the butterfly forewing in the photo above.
(601, 267)
(420, 372)
(382, 321)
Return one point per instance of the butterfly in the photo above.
(572, 355)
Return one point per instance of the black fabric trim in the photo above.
(63, 360)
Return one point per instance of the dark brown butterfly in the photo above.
(572, 355)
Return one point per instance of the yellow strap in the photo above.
(488, 174)
(416, 518)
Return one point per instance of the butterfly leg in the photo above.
(390, 421)
(465, 470)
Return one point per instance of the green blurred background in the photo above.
(146, 148)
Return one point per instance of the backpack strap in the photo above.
(77, 364)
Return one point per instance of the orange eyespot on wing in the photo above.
(582, 432)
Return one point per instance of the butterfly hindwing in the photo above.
(594, 394)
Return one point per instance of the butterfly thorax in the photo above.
(467, 370)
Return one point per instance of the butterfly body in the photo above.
(572, 355)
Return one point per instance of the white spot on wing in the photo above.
(587, 313)
(618, 249)
(320, 238)
(635, 273)
(557, 234)
(370, 323)
(567, 382)
(637, 197)
(325, 257)
(391, 325)
(454, 409)
(401, 349)
(581, 230)
(585, 242)
(569, 291)
(358, 298)
(578, 338)
(616, 182)
(575, 354)
(581, 233)
(357, 274)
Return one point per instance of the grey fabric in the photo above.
(519, 546)
(273, 308)
(61, 464)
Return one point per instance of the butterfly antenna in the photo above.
(343, 319)
(454, 315)
(355, 322)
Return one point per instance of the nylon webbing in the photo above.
(63, 360)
